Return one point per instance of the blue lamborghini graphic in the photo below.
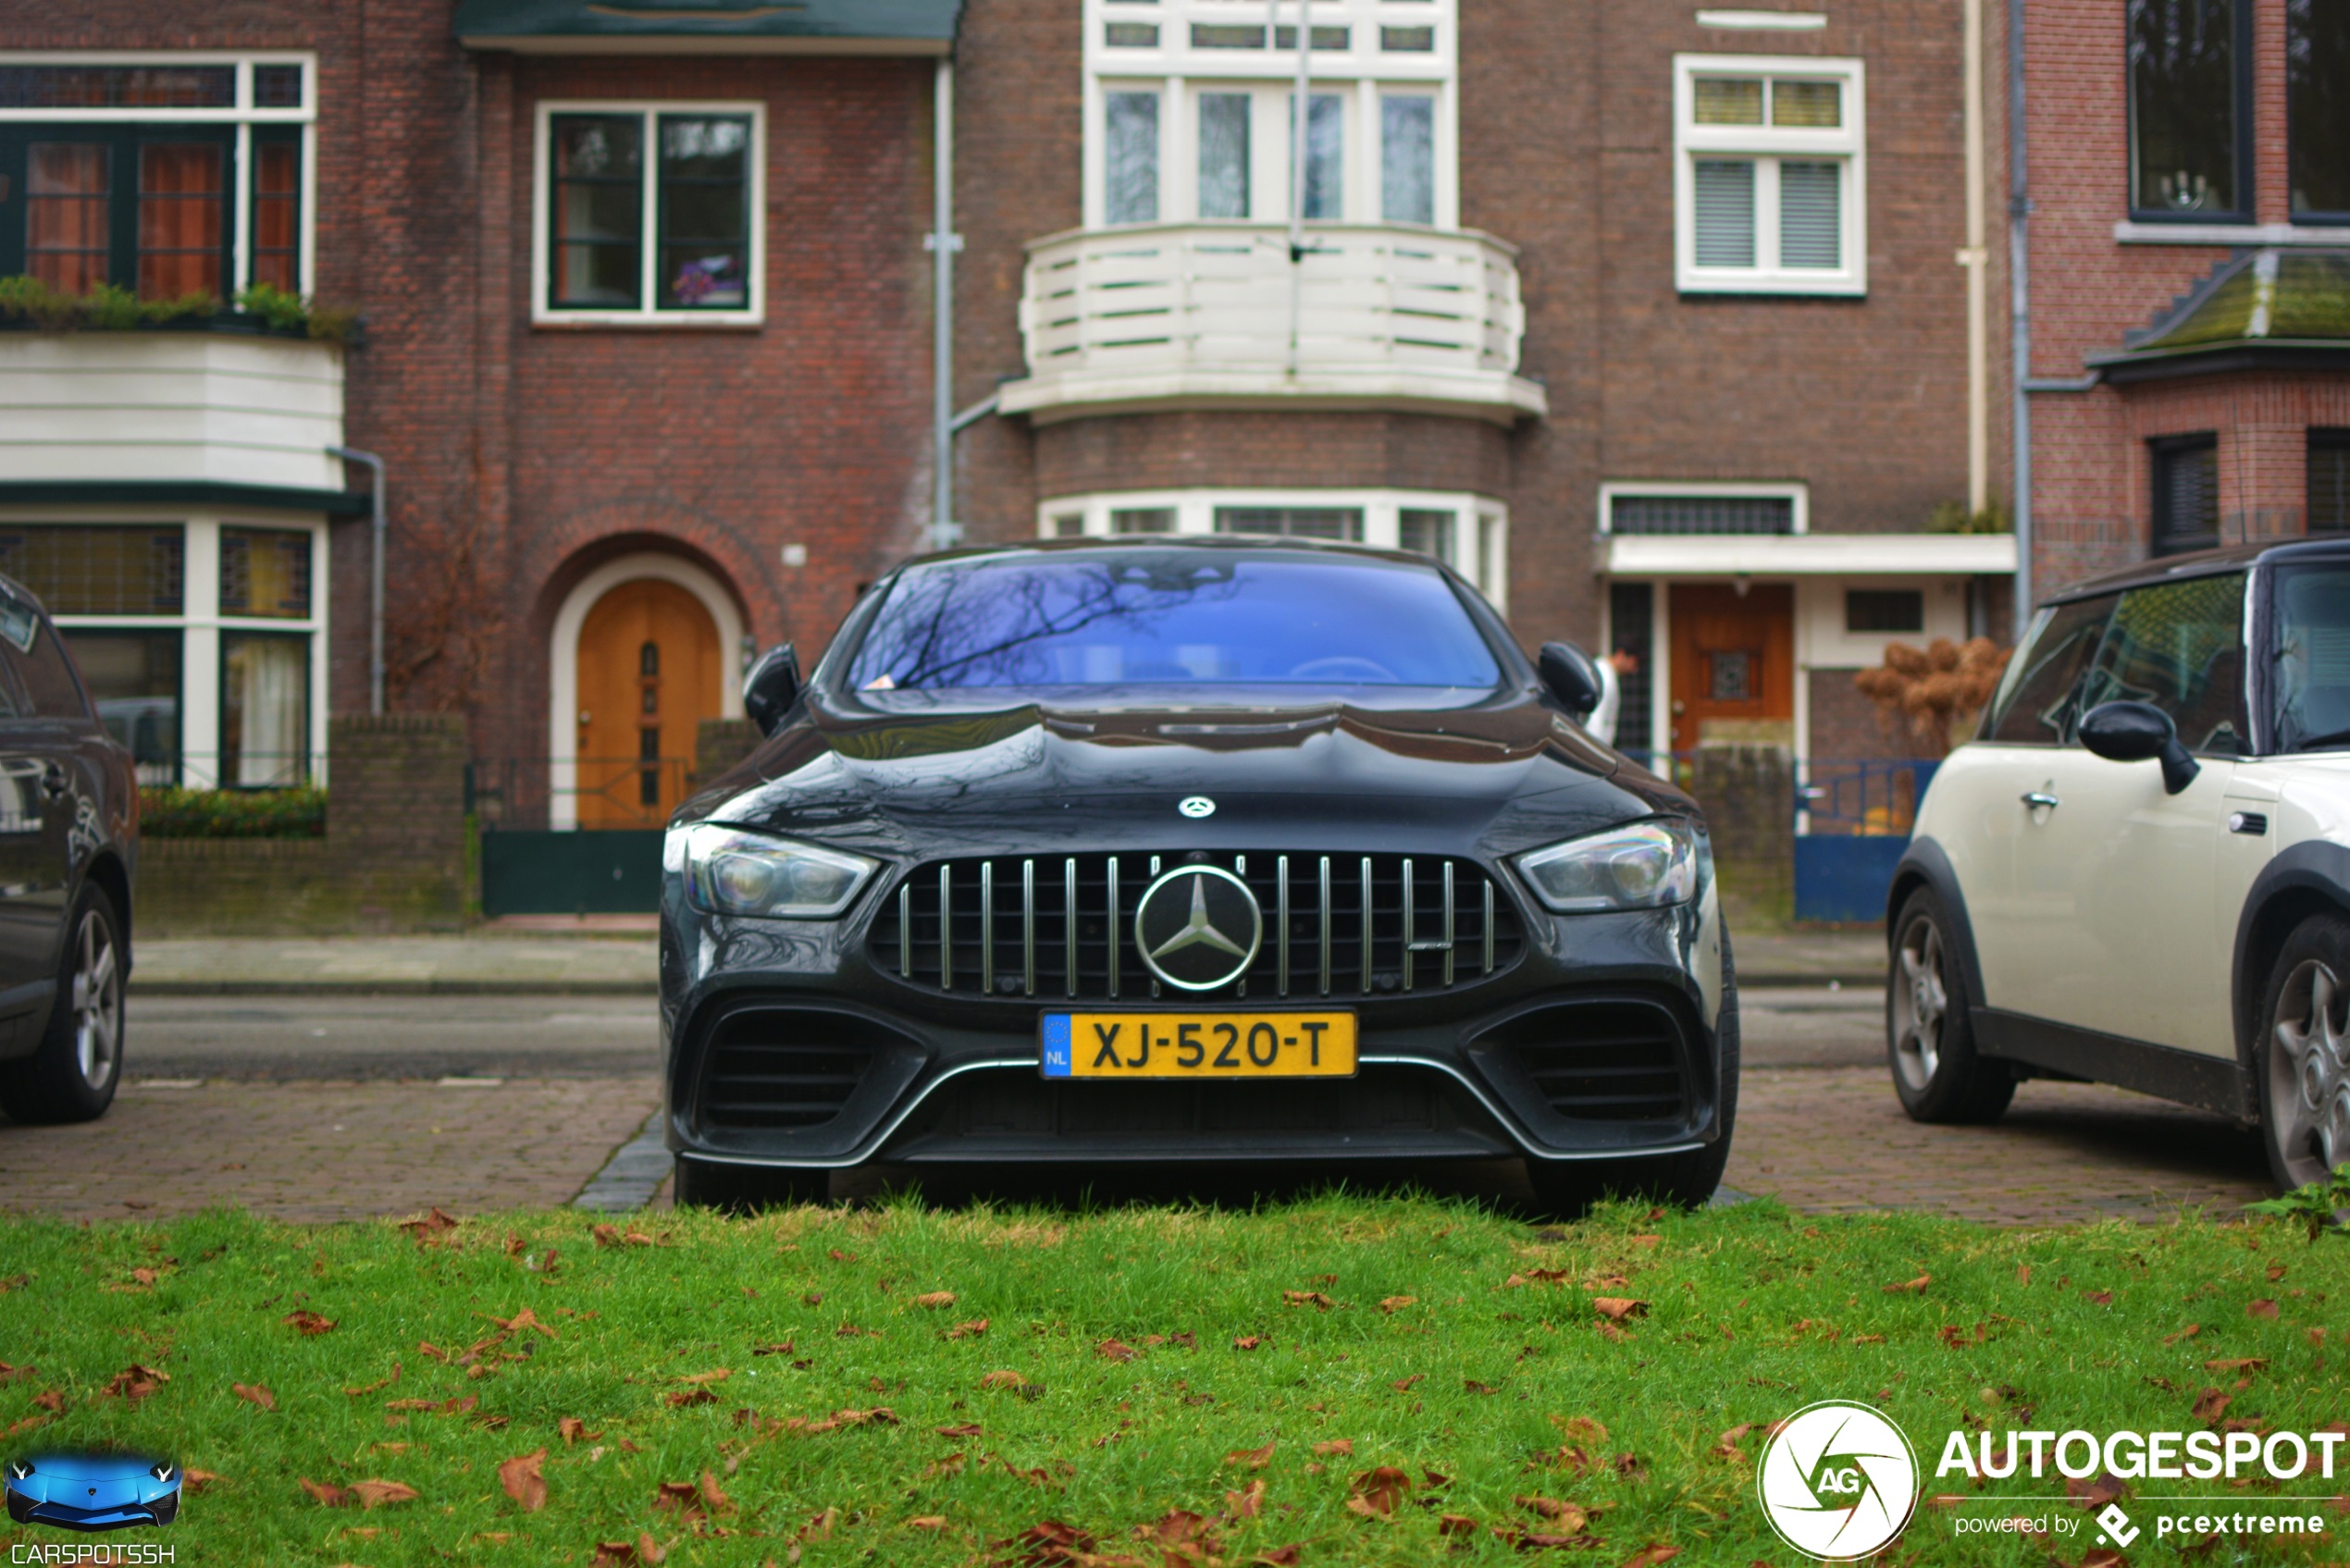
(93, 1491)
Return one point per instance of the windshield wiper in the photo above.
(2315, 743)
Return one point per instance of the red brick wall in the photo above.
(2091, 468)
(1171, 451)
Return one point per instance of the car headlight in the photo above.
(165, 1471)
(1642, 866)
(729, 872)
(20, 1469)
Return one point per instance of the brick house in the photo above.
(2184, 337)
(1654, 323)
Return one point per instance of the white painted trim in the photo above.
(1794, 490)
(1764, 21)
(648, 275)
(1660, 669)
(1783, 555)
(1196, 514)
(563, 660)
(1766, 145)
(2335, 237)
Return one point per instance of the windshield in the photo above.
(1170, 617)
(2312, 657)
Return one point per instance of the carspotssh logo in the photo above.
(1839, 1481)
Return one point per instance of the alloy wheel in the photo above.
(1920, 1002)
(2310, 1073)
(97, 1002)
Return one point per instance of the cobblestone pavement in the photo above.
(315, 1151)
(1833, 1139)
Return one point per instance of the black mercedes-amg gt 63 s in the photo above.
(1098, 852)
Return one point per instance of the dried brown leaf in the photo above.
(523, 1482)
(307, 1322)
(1251, 1459)
(254, 1393)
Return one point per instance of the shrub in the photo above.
(110, 307)
(232, 813)
(1933, 693)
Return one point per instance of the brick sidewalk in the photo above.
(1835, 1140)
(324, 1151)
(1825, 1140)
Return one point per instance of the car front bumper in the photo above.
(785, 1046)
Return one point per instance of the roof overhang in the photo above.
(710, 27)
(1809, 555)
(2216, 359)
(182, 492)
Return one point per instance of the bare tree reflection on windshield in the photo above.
(989, 626)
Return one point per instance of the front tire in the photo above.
(1568, 1188)
(1929, 1030)
(2301, 1057)
(71, 1075)
(736, 1188)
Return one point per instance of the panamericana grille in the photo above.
(781, 1069)
(1062, 926)
(1604, 1061)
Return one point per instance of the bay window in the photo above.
(169, 179)
(201, 639)
(1770, 177)
(649, 213)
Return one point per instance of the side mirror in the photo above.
(771, 688)
(1568, 674)
(2134, 732)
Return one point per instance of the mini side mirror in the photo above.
(2136, 732)
(1570, 676)
(771, 688)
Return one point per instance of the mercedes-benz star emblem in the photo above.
(1198, 927)
(1196, 806)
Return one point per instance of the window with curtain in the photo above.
(1325, 154)
(264, 710)
(1425, 530)
(2186, 493)
(1407, 158)
(1770, 175)
(1293, 521)
(1130, 162)
(265, 572)
(651, 212)
(1224, 153)
(2317, 67)
(2189, 135)
(88, 198)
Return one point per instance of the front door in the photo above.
(650, 673)
(1733, 660)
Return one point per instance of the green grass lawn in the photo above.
(729, 1390)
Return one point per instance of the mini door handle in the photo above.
(2035, 798)
(52, 780)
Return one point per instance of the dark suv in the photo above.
(68, 826)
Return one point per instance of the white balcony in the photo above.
(1216, 315)
(169, 407)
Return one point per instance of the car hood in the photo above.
(86, 1467)
(1500, 775)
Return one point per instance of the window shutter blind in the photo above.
(1811, 214)
(1724, 213)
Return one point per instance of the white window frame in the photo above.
(542, 179)
(200, 621)
(1766, 145)
(243, 115)
(1359, 75)
(1480, 523)
(1797, 491)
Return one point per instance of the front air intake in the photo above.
(1602, 1060)
(782, 1068)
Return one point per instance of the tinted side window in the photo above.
(41, 667)
(2179, 646)
(2038, 707)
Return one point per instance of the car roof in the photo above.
(2204, 563)
(1265, 542)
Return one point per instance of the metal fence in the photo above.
(516, 793)
(1875, 797)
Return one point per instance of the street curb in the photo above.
(394, 988)
(1781, 982)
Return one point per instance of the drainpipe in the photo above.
(2020, 311)
(942, 243)
(1976, 259)
(1297, 158)
(374, 466)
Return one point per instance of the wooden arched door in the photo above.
(650, 673)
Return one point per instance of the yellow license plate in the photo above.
(1162, 1044)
